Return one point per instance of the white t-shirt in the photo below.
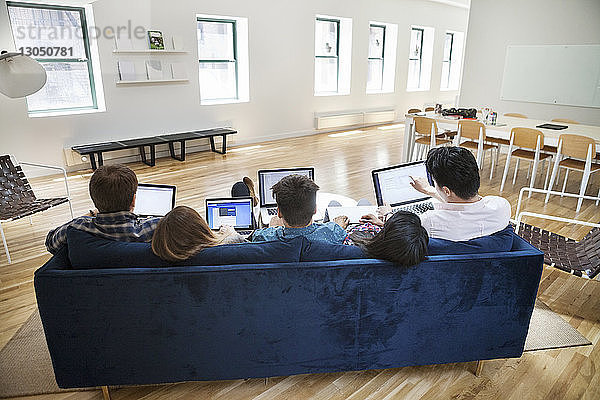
(465, 221)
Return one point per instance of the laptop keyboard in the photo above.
(418, 209)
(245, 233)
(272, 211)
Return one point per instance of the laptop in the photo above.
(269, 177)
(154, 200)
(233, 211)
(392, 186)
(354, 214)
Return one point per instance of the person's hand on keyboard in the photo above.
(342, 221)
(371, 219)
(384, 210)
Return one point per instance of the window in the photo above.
(333, 54)
(57, 37)
(447, 60)
(381, 72)
(327, 39)
(222, 59)
(420, 58)
(415, 57)
(451, 60)
(376, 57)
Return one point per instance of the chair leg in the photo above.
(533, 174)
(553, 177)
(498, 155)
(493, 164)
(479, 368)
(565, 182)
(105, 393)
(30, 220)
(529, 170)
(547, 175)
(506, 168)
(516, 170)
(584, 183)
(5, 244)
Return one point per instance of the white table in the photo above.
(501, 131)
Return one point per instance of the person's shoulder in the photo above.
(332, 226)
(497, 201)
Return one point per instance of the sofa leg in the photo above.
(105, 393)
(479, 368)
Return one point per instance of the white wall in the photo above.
(494, 25)
(281, 37)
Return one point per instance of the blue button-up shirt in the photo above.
(327, 232)
(121, 225)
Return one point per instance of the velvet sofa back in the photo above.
(125, 326)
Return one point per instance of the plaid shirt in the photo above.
(121, 225)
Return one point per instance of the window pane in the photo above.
(376, 34)
(445, 75)
(447, 47)
(67, 86)
(375, 75)
(217, 81)
(215, 40)
(414, 73)
(326, 75)
(39, 27)
(326, 38)
(415, 44)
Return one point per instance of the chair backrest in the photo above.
(429, 109)
(470, 129)
(576, 146)
(14, 187)
(414, 110)
(423, 125)
(527, 137)
(565, 120)
(516, 115)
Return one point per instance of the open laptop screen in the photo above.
(268, 178)
(236, 212)
(392, 184)
(154, 200)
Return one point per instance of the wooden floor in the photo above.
(343, 166)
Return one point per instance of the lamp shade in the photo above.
(20, 75)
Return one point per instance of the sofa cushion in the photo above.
(497, 242)
(325, 251)
(89, 251)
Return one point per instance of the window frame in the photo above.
(449, 60)
(420, 59)
(86, 42)
(337, 51)
(235, 57)
(382, 58)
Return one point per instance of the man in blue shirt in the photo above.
(296, 197)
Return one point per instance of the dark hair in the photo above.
(112, 188)
(402, 240)
(181, 234)
(455, 168)
(296, 197)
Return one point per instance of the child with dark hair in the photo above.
(461, 214)
(401, 239)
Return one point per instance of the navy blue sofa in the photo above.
(126, 325)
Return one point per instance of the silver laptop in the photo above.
(154, 200)
(269, 177)
(392, 186)
(232, 211)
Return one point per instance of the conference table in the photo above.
(501, 130)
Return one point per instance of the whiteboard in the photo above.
(555, 74)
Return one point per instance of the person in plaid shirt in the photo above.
(112, 189)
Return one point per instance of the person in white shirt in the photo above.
(460, 213)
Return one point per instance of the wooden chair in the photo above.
(425, 134)
(427, 109)
(565, 121)
(414, 111)
(530, 143)
(516, 115)
(18, 199)
(572, 149)
(474, 131)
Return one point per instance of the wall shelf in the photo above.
(148, 81)
(148, 51)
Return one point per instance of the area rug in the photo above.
(26, 368)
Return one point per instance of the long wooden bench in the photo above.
(96, 149)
